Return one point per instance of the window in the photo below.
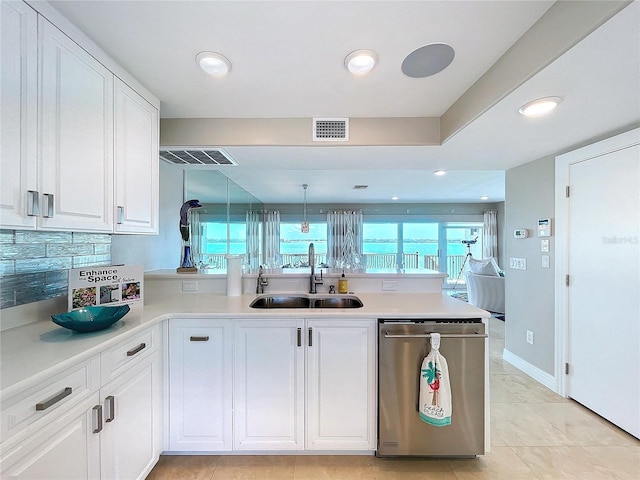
(454, 250)
(294, 245)
(380, 245)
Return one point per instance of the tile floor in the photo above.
(535, 434)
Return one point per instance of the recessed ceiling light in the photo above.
(439, 172)
(539, 107)
(484, 197)
(213, 63)
(360, 62)
(394, 198)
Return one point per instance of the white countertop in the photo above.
(33, 352)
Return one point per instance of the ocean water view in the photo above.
(302, 247)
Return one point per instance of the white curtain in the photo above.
(254, 224)
(263, 229)
(271, 239)
(490, 235)
(344, 240)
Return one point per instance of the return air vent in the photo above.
(330, 129)
(194, 156)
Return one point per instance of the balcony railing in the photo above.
(218, 261)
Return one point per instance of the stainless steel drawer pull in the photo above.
(48, 205)
(442, 335)
(310, 337)
(111, 416)
(97, 410)
(33, 203)
(299, 337)
(55, 399)
(194, 338)
(133, 351)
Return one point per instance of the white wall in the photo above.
(160, 251)
(529, 294)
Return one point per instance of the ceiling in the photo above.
(287, 62)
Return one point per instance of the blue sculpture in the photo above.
(186, 265)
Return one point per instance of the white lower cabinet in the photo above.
(276, 360)
(341, 384)
(113, 433)
(65, 448)
(268, 397)
(129, 441)
(200, 384)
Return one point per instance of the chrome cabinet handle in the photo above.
(97, 411)
(310, 337)
(48, 206)
(111, 400)
(194, 338)
(299, 337)
(33, 203)
(120, 215)
(133, 351)
(55, 399)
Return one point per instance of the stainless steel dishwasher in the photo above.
(402, 345)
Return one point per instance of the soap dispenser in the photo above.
(343, 284)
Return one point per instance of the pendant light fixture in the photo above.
(304, 226)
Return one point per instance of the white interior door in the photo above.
(604, 291)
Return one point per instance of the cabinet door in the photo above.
(341, 384)
(66, 448)
(200, 385)
(268, 385)
(76, 150)
(132, 421)
(136, 162)
(18, 113)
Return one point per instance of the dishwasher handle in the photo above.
(442, 335)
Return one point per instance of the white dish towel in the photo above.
(435, 390)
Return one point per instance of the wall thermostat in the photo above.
(520, 233)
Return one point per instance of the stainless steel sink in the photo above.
(281, 301)
(306, 301)
(337, 302)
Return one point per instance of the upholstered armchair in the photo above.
(485, 285)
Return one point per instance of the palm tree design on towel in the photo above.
(432, 374)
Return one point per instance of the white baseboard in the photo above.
(534, 372)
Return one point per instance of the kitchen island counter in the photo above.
(35, 351)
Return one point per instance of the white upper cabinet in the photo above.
(79, 147)
(18, 111)
(136, 162)
(76, 146)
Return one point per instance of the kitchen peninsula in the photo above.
(180, 373)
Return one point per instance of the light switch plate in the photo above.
(544, 246)
(545, 261)
(517, 263)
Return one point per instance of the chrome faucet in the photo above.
(313, 280)
(261, 281)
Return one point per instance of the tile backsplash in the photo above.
(34, 264)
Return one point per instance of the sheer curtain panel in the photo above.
(490, 235)
(344, 240)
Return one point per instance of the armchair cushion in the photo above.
(486, 266)
(486, 291)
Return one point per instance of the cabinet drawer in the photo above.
(49, 399)
(122, 356)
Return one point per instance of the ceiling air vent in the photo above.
(195, 156)
(330, 129)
